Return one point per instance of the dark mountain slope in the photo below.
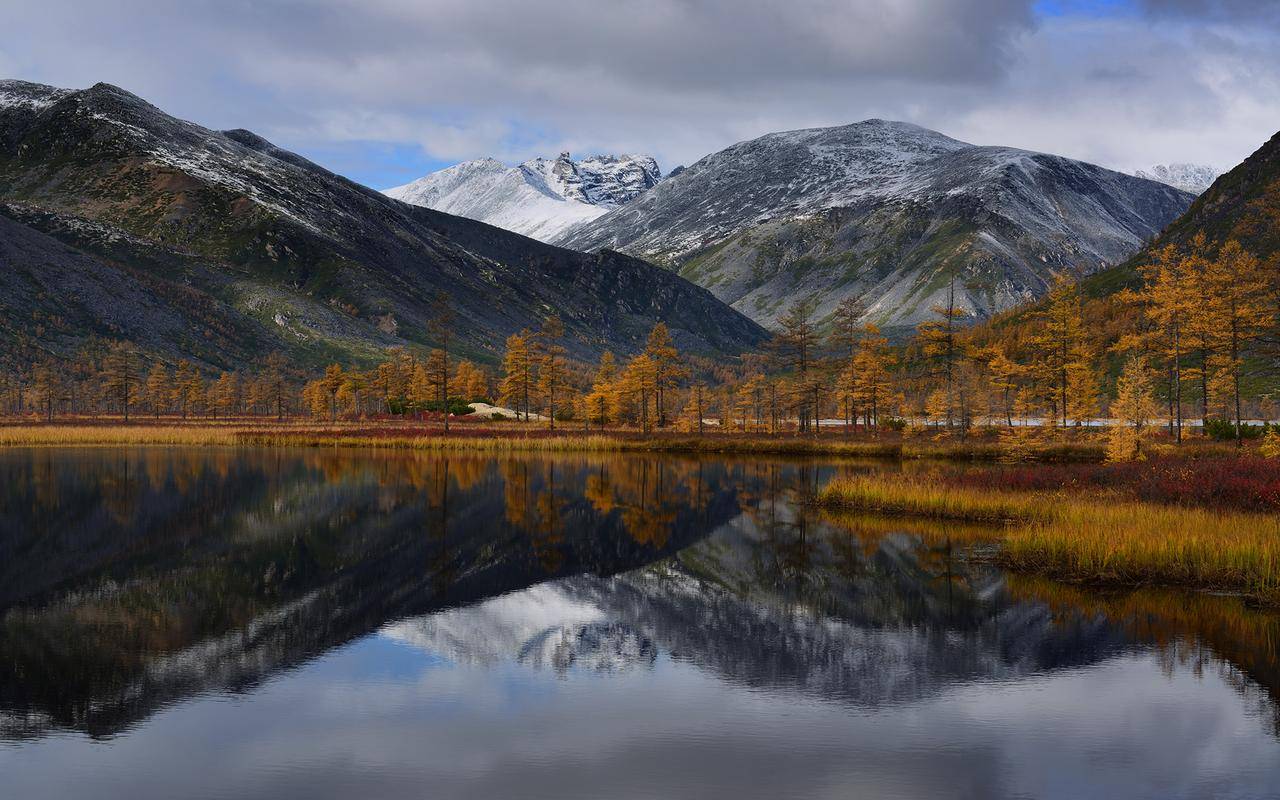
(324, 267)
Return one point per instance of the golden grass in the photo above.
(1092, 538)
(507, 438)
(89, 435)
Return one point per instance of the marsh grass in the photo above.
(1092, 538)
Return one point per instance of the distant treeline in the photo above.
(1200, 321)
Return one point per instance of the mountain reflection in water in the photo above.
(138, 585)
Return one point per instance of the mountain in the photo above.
(116, 213)
(885, 211)
(540, 198)
(1193, 178)
(1242, 204)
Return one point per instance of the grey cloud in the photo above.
(678, 78)
(1211, 10)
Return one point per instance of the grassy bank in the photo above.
(512, 438)
(1083, 538)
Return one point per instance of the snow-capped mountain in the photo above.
(886, 211)
(541, 197)
(1194, 178)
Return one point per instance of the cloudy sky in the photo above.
(386, 90)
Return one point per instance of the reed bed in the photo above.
(1083, 538)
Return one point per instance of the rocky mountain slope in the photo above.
(885, 211)
(540, 198)
(243, 248)
(1242, 204)
(1193, 178)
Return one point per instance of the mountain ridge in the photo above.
(539, 198)
(328, 268)
(889, 212)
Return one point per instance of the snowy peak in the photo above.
(540, 198)
(601, 180)
(1194, 178)
(29, 96)
(888, 212)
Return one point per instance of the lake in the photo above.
(275, 623)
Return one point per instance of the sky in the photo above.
(384, 91)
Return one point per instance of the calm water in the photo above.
(277, 624)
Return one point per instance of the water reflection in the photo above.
(696, 614)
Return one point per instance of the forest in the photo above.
(1194, 353)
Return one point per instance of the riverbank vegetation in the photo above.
(1085, 536)
(467, 434)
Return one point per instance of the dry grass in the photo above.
(506, 438)
(1081, 538)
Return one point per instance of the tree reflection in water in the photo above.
(132, 579)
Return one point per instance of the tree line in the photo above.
(1198, 336)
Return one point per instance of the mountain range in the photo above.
(121, 221)
(887, 212)
(541, 197)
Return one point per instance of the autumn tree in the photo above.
(435, 378)
(331, 383)
(159, 388)
(48, 387)
(182, 377)
(227, 393)
(274, 383)
(1004, 375)
(640, 380)
(470, 381)
(940, 346)
(1237, 294)
(120, 375)
(691, 419)
(1168, 296)
(797, 344)
(602, 401)
(439, 326)
(188, 388)
(1134, 408)
(518, 372)
(668, 368)
(1062, 356)
(845, 336)
(873, 383)
(552, 373)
